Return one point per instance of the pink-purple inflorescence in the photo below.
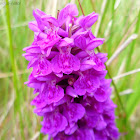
(69, 77)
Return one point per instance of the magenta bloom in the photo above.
(68, 77)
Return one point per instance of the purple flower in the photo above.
(86, 83)
(68, 77)
(49, 93)
(74, 112)
(53, 123)
(65, 62)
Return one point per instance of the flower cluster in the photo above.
(69, 77)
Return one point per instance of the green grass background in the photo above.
(119, 20)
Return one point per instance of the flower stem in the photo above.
(81, 7)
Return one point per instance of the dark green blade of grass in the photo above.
(13, 65)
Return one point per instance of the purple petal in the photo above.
(80, 42)
(40, 13)
(74, 112)
(32, 49)
(33, 63)
(69, 10)
(39, 21)
(53, 123)
(101, 95)
(91, 20)
(70, 130)
(95, 43)
(55, 94)
(65, 63)
(33, 26)
(49, 19)
(70, 91)
(43, 68)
